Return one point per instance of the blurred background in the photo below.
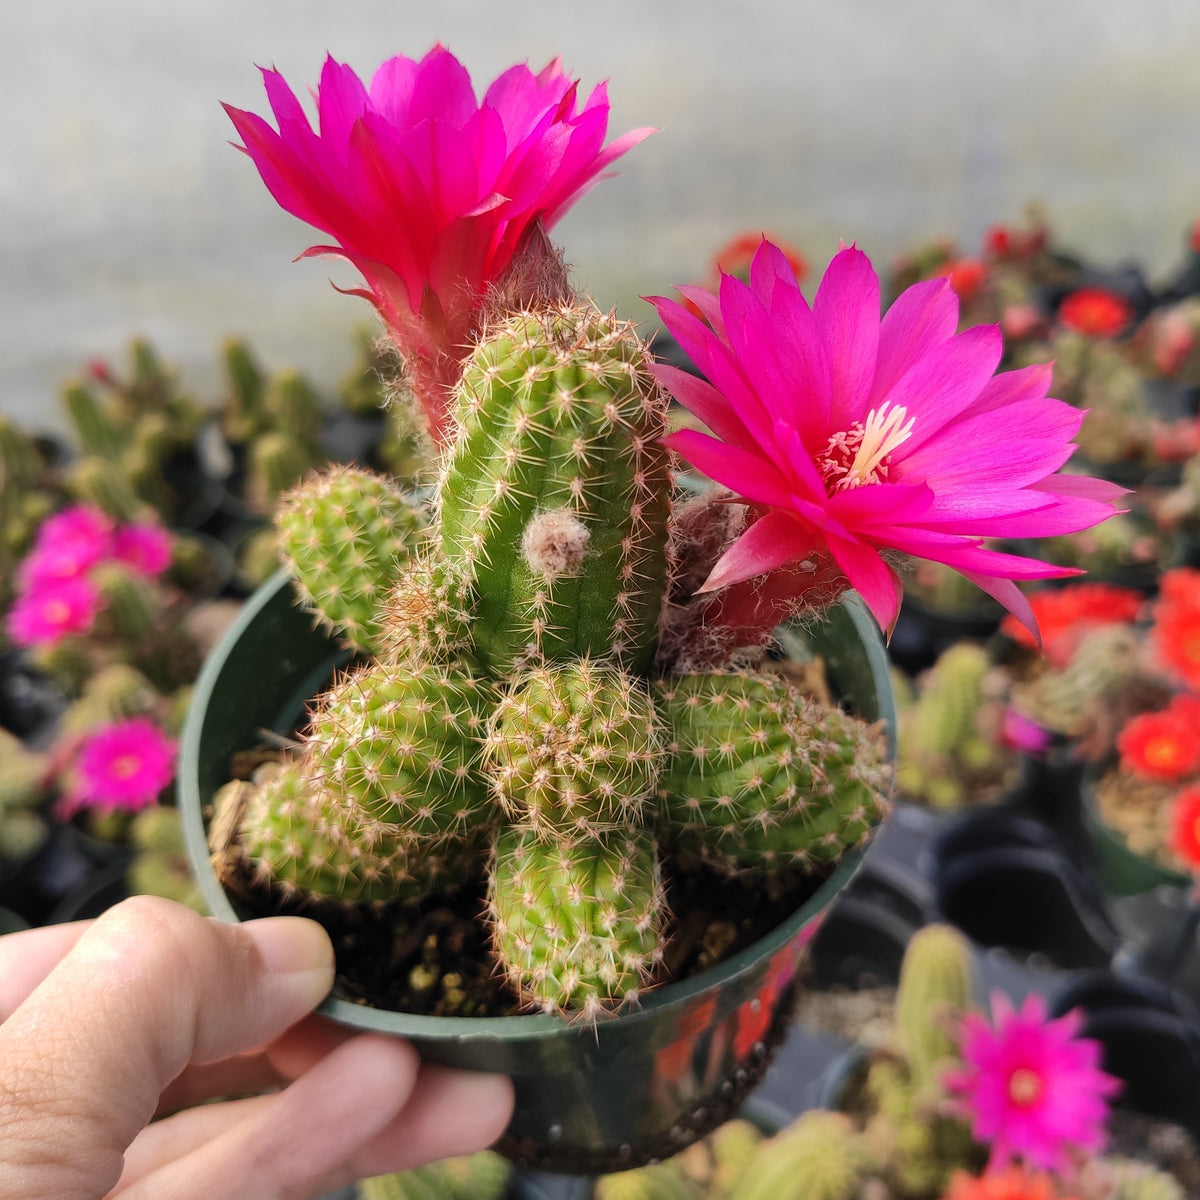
(124, 211)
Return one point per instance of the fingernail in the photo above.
(292, 944)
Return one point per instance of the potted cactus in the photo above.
(554, 693)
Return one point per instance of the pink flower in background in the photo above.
(427, 191)
(48, 612)
(1031, 1087)
(122, 766)
(68, 544)
(144, 548)
(852, 436)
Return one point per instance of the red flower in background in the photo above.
(1160, 745)
(1176, 630)
(967, 276)
(1185, 826)
(1065, 614)
(1095, 312)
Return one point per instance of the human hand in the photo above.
(153, 1009)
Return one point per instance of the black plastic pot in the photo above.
(97, 893)
(1005, 880)
(30, 701)
(590, 1099)
(922, 633)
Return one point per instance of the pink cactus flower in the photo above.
(47, 612)
(428, 192)
(68, 544)
(1030, 1086)
(144, 548)
(853, 437)
(121, 766)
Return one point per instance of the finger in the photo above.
(149, 988)
(26, 958)
(298, 1138)
(245, 1075)
(450, 1113)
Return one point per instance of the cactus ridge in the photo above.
(559, 416)
(576, 926)
(343, 533)
(760, 775)
(405, 747)
(574, 750)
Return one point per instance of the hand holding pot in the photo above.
(154, 1010)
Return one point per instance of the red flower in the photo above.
(1194, 237)
(1095, 312)
(735, 256)
(1185, 825)
(1012, 1184)
(1065, 614)
(1180, 585)
(1160, 745)
(998, 241)
(1176, 636)
(966, 275)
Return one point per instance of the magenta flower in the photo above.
(853, 436)
(122, 766)
(48, 612)
(1032, 1089)
(68, 544)
(428, 192)
(144, 548)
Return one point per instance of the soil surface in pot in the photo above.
(434, 957)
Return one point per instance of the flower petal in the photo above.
(846, 308)
(772, 541)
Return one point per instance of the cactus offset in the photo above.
(555, 494)
(575, 750)
(576, 926)
(342, 534)
(760, 775)
(427, 615)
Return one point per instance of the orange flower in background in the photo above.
(1185, 826)
(1065, 614)
(1095, 312)
(1179, 585)
(735, 256)
(1160, 745)
(1013, 1184)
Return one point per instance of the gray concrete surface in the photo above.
(123, 209)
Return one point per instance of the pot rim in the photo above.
(529, 1027)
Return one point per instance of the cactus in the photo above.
(936, 988)
(761, 775)
(1138, 1181)
(511, 701)
(160, 866)
(660, 1181)
(819, 1157)
(481, 1176)
(22, 773)
(575, 751)
(342, 534)
(575, 926)
(555, 493)
(114, 693)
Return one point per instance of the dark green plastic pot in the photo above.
(590, 1099)
(1123, 872)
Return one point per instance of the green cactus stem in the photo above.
(576, 927)
(482, 1176)
(659, 1181)
(555, 492)
(936, 988)
(760, 776)
(1139, 1181)
(819, 1157)
(242, 416)
(343, 534)
(575, 750)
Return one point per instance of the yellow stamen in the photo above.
(126, 766)
(883, 432)
(1024, 1087)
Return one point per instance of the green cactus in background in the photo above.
(114, 693)
(761, 775)
(160, 866)
(342, 535)
(482, 1176)
(660, 1181)
(936, 989)
(1139, 1181)
(22, 773)
(555, 493)
(819, 1157)
(948, 752)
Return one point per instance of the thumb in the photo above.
(151, 987)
